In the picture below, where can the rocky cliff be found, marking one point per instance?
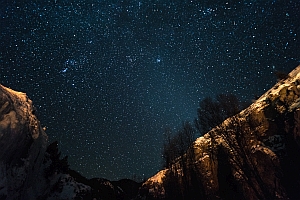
(32, 169)
(23, 144)
(252, 155)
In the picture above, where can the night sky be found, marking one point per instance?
(107, 77)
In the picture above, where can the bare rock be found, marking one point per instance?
(23, 143)
(253, 155)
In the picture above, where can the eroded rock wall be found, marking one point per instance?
(23, 144)
(29, 168)
(257, 149)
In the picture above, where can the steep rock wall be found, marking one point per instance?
(29, 168)
(253, 155)
(23, 144)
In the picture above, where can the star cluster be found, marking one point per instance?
(108, 76)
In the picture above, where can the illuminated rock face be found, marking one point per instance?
(30, 169)
(256, 151)
(23, 144)
(23, 156)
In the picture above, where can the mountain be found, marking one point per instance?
(32, 169)
(23, 144)
(252, 155)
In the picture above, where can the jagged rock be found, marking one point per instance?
(30, 170)
(65, 187)
(23, 144)
(252, 155)
(23, 157)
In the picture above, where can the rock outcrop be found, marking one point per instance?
(32, 169)
(23, 143)
(252, 155)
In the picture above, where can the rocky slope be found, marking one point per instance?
(253, 155)
(30, 169)
(23, 144)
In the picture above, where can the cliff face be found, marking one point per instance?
(23, 144)
(253, 155)
(23, 157)
(30, 169)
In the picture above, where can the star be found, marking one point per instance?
(108, 77)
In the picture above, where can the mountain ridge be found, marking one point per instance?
(32, 169)
(252, 155)
(253, 149)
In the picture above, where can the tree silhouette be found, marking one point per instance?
(182, 180)
(57, 165)
(212, 112)
(175, 145)
(239, 151)
(281, 75)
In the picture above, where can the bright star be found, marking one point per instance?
(64, 70)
